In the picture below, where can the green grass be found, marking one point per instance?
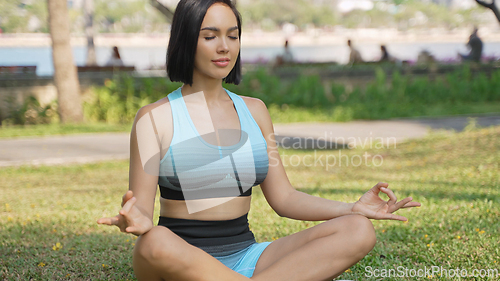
(290, 114)
(455, 176)
(13, 131)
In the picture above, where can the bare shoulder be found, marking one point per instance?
(158, 113)
(162, 105)
(259, 111)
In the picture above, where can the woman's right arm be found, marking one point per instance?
(136, 215)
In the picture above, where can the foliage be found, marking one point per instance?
(110, 16)
(11, 17)
(23, 16)
(135, 16)
(413, 14)
(403, 14)
(307, 98)
(279, 12)
(303, 99)
(139, 16)
(30, 112)
(52, 233)
(120, 99)
(363, 19)
(39, 12)
(405, 97)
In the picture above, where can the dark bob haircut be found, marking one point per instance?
(184, 34)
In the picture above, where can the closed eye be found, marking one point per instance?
(209, 38)
(233, 37)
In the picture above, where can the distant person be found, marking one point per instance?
(475, 45)
(355, 55)
(385, 54)
(287, 55)
(115, 59)
(425, 58)
(386, 57)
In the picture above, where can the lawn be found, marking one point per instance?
(40, 130)
(48, 214)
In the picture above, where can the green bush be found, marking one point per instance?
(306, 98)
(120, 99)
(30, 112)
(406, 97)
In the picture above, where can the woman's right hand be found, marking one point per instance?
(130, 219)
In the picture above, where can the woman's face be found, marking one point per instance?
(218, 43)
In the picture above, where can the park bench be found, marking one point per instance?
(18, 70)
(106, 69)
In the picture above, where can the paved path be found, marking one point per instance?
(96, 147)
(356, 133)
(54, 150)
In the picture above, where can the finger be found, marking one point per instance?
(412, 204)
(380, 185)
(131, 229)
(401, 204)
(395, 217)
(129, 194)
(126, 208)
(392, 197)
(108, 221)
(376, 188)
(104, 221)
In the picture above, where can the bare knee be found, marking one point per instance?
(159, 248)
(361, 234)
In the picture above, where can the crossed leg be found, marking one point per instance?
(321, 252)
(160, 254)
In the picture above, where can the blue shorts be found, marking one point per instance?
(244, 261)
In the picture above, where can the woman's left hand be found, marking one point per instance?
(372, 206)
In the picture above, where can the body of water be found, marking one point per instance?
(147, 57)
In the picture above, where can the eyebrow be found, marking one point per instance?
(217, 29)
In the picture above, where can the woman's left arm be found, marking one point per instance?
(288, 202)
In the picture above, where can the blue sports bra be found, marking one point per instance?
(195, 169)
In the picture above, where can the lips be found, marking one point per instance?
(222, 62)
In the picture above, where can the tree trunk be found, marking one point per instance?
(65, 74)
(490, 6)
(163, 9)
(89, 31)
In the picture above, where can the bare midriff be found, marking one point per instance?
(229, 210)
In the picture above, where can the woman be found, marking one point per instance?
(115, 59)
(206, 147)
(385, 54)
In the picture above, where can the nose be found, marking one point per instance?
(223, 47)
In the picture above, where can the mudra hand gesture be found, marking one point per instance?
(129, 219)
(372, 206)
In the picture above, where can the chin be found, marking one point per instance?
(221, 75)
(218, 74)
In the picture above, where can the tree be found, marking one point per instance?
(490, 6)
(167, 12)
(163, 9)
(65, 74)
(89, 31)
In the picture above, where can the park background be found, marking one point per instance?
(48, 213)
